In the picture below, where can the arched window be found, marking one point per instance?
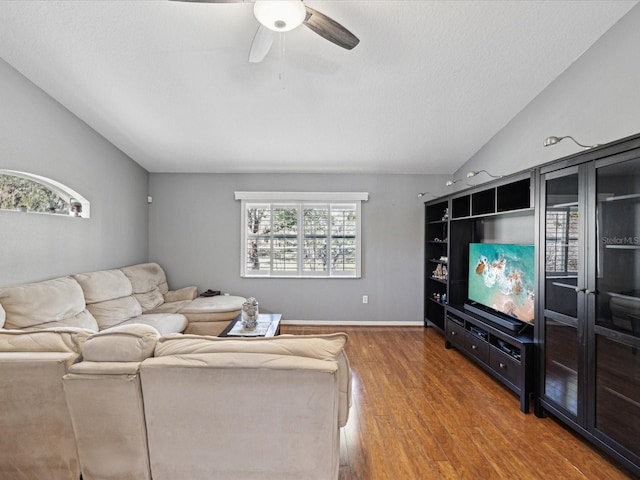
(27, 192)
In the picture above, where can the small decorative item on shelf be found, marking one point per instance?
(444, 259)
(445, 216)
(250, 314)
(440, 272)
(76, 207)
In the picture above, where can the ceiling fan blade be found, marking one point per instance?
(215, 1)
(330, 29)
(261, 44)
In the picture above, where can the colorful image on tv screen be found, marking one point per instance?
(502, 277)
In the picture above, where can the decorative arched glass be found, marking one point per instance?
(27, 192)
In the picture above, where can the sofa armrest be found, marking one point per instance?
(124, 343)
(186, 293)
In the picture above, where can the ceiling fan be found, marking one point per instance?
(285, 15)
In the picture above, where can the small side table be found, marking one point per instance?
(273, 319)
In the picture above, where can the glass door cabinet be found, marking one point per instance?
(589, 300)
(616, 336)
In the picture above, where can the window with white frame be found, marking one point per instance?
(301, 234)
(28, 192)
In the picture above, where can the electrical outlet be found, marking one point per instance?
(365, 298)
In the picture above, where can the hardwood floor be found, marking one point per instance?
(423, 412)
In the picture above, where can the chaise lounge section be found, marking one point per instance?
(205, 315)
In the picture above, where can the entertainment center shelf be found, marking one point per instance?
(436, 264)
(506, 355)
(497, 213)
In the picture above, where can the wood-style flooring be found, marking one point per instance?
(421, 412)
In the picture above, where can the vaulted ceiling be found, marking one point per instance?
(169, 83)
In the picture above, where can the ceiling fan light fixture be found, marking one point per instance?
(280, 15)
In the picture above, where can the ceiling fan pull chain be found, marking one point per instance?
(282, 56)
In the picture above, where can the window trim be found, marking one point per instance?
(300, 199)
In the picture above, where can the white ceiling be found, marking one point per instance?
(170, 85)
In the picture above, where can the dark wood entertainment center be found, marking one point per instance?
(579, 361)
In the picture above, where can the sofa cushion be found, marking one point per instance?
(169, 307)
(109, 297)
(322, 347)
(181, 295)
(68, 340)
(217, 304)
(164, 323)
(114, 312)
(149, 300)
(149, 284)
(125, 343)
(103, 285)
(44, 304)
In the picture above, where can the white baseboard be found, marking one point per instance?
(353, 323)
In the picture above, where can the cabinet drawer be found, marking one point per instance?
(455, 333)
(507, 366)
(476, 346)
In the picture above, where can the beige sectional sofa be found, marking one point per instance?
(96, 379)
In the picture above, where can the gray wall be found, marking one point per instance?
(195, 235)
(596, 100)
(38, 135)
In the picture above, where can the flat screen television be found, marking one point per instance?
(501, 281)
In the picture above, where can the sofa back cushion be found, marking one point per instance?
(52, 303)
(149, 284)
(321, 347)
(109, 297)
(68, 340)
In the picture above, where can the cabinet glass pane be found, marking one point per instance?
(561, 365)
(618, 392)
(618, 237)
(561, 245)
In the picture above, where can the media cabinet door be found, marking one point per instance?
(589, 336)
(617, 303)
(563, 316)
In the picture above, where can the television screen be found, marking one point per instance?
(502, 277)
